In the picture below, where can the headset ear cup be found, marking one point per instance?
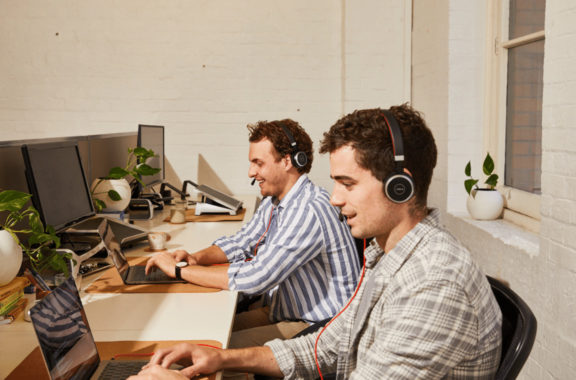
(299, 159)
(399, 187)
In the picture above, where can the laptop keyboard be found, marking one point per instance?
(121, 369)
(137, 273)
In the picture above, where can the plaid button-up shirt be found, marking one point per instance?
(431, 314)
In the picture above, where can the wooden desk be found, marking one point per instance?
(146, 317)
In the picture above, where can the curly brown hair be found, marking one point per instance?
(367, 133)
(273, 131)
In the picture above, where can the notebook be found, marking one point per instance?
(60, 192)
(67, 343)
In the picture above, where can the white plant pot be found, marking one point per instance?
(100, 191)
(10, 257)
(485, 204)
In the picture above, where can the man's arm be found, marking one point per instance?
(210, 276)
(208, 256)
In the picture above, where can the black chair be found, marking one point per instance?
(518, 330)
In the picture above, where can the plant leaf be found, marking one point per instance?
(12, 200)
(141, 152)
(492, 181)
(488, 165)
(99, 204)
(113, 194)
(117, 173)
(468, 169)
(145, 169)
(469, 183)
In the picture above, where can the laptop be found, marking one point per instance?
(66, 341)
(61, 194)
(130, 274)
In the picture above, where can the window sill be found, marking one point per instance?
(506, 232)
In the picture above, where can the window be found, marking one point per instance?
(515, 105)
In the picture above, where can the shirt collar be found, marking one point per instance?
(404, 248)
(292, 193)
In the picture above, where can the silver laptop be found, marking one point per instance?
(66, 341)
(130, 274)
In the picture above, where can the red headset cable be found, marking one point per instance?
(337, 315)
(265, 232)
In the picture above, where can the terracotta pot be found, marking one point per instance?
(485, 204)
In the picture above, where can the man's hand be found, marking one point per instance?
(199, 360)
(163, 260)
(157, 372)
(182, 255)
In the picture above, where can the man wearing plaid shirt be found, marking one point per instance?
(423, 309)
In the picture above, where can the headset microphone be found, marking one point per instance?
(340, 216)
(253, 182)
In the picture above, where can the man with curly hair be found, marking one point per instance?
(423, 309)
(295, 251)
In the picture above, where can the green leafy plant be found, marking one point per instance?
(40, 242)
(135, 166)
(488, 169)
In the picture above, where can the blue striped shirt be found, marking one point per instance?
(306, 265)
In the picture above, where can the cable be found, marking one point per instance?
(337, 315)
(265, 232)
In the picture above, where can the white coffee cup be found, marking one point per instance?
(157, 240)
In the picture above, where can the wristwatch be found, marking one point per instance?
(179, 266)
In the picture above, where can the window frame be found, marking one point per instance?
(520, 207)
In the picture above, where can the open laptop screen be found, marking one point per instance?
(64, 335)
(57, 182)
(152, 137)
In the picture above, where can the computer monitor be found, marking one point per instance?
(152, 137)
(57, 182)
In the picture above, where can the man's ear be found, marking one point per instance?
(287, 161)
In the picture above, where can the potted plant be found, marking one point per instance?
(483, 203)
(112, 193)
(39, 243)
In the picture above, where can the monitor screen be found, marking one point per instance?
(57, 183)
(152, 137)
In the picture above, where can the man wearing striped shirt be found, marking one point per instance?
(295, 251)
(424, 309)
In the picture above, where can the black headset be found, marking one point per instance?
(298, 157)
(398, 186)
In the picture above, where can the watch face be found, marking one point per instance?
(182, 264)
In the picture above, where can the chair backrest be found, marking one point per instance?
(518, 330)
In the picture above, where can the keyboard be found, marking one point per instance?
(121, 369)
(137, 273)
(116, 369)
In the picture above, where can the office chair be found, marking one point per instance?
(518, 330)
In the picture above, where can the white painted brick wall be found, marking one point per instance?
(546, 278)
(202, 69)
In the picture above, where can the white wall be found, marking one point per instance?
(541, 268)
(204, 69)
